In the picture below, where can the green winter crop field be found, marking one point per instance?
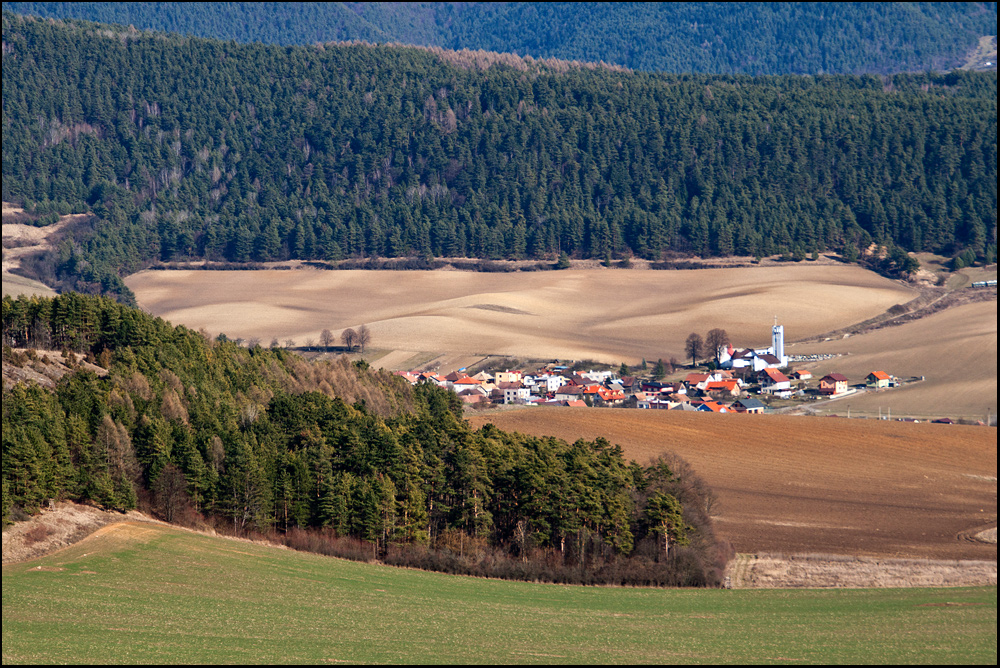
(136, 593)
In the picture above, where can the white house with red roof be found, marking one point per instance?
(773, 381)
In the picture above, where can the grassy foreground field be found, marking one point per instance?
(136, 593)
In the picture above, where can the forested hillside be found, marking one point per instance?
(190, 148)
(258, 439)
(688, 37)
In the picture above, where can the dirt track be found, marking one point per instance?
(813, 485)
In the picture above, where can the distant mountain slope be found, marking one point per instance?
(723, 38)
(190, 148)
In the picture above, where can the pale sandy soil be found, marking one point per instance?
(610, 315)
(51, 529)
(14, 285)
(955, 350)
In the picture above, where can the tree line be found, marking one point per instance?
(257, 440)
(186, 148)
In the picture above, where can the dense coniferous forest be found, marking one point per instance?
(258, 439)
(703, 37)
(186, 148)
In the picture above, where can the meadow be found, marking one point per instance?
(139, 593)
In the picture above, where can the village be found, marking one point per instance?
(735, 381)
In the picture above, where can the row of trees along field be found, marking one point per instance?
(190, 148)
(707, 37)
(259, 439)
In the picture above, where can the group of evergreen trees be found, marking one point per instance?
(189, 148)
(705, 37)
(260, 439)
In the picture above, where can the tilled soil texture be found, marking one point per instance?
(789, 484)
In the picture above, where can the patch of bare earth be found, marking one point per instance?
(45, 368)
(54, 528)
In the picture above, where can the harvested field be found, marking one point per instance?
(21, 241)
(602, 314)
(809, 570)
(14, 285)
(794, 484)
(955, 350)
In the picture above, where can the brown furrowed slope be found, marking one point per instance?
(806, 484)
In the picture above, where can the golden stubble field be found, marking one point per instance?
(796, 484)
(609, 315)
(954, 350)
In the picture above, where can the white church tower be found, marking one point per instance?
(778, 342)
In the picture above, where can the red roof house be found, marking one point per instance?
(833, 384)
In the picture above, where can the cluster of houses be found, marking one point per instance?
(719, 391)
(728, 389)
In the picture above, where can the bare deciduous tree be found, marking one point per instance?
(364, 336)
(693, 347)
(349, 337)
(170, 492)
(715, 340)
(326, 338)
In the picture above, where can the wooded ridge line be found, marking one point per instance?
(190, 148)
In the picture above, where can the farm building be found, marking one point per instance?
(833, 384)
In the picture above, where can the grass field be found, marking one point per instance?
(138, 593)
(794, 484)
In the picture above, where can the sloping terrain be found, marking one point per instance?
(603, 314)
(792, 484)
(144, 593)
(954, 350)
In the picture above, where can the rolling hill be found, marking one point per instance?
(139, 592)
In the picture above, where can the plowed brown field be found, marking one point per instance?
(806, 484)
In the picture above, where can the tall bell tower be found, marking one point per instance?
(778, 342)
